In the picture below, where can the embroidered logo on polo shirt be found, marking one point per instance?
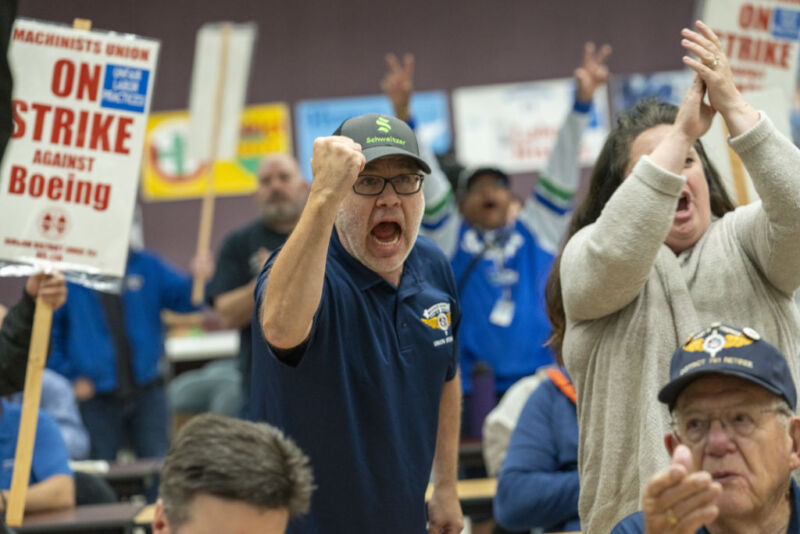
(438, 318)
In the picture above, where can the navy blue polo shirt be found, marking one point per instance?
(361, 396)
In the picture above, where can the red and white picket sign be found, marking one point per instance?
(69, 176)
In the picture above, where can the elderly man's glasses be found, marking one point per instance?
(403, 184)
(694, 426)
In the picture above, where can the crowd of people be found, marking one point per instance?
(650, 314)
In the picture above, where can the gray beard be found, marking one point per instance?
(281, 213)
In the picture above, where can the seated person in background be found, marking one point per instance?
(228, 476)
(51, 485)
(16, 326)
(216, 387)
(500, 254)
(538, 483)
(58, 401)
(734, 441)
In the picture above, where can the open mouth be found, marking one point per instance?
(386, 233)
(723, 476)
(683, 205)
(489, 205)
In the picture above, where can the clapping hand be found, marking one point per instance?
(711, 65)
(679, 500)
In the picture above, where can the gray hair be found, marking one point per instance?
(253, 463)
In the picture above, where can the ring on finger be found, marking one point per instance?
(672, 519)
(713, 64)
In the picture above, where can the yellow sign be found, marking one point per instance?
(169, 174)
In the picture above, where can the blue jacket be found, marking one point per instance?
(538, 483)
(81, 344)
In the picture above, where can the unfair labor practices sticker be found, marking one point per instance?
(125, 88)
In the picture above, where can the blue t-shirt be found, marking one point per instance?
(49, 451)
(361, 396)
(634, 523)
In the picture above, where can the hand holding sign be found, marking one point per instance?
(50, 287)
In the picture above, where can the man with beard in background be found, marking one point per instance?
(280, 196)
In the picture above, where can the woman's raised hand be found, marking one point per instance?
(711, 65)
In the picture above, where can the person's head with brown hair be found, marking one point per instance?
(227, 476)
(615, 162)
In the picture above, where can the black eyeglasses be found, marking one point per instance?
(403, 184)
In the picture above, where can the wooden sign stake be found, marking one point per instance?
(37, 356)
(207, 211)
(739, 178)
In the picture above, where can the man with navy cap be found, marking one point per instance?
(734, 441)
(357, 362)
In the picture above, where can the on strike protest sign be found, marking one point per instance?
(69, 176)
(760, 38)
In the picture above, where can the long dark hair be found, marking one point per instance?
(607, 175)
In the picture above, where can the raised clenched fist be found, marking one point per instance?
(335, 163)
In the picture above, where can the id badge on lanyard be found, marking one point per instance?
(503, 311)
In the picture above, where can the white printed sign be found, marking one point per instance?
(206, 73)
(69, 177)
(515, 126)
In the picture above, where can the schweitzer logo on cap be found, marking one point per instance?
(383, 124)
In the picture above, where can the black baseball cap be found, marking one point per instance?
(470, 173)
(725, 350)
(382, 135)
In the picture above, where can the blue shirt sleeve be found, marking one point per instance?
(49, 452)
(175, 287)
(290, 357)
(582, 107)
(633, 524)
(533, 488)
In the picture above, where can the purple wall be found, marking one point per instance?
(317, 49)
